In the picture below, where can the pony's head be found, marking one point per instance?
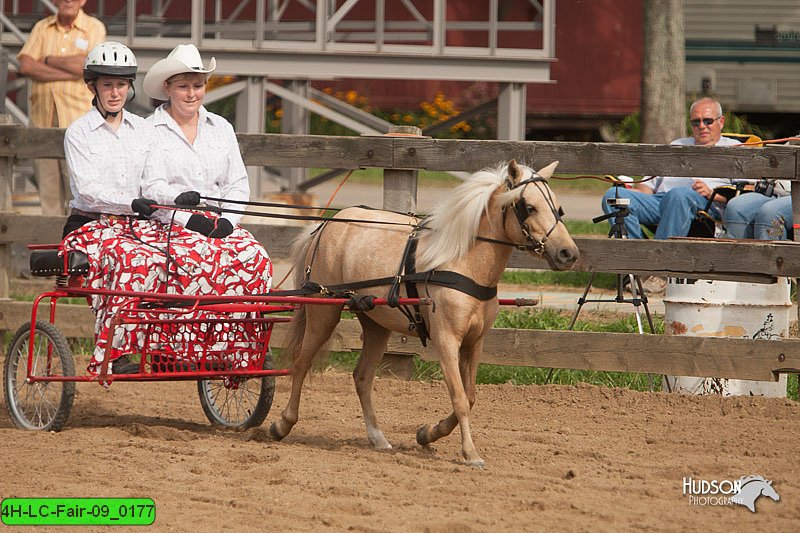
(532, 216)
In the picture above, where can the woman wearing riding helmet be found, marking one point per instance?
(107, 148)
(107, 152)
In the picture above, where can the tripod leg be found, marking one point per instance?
(620, 288)
(581, 301)
(646, 307)
(638, 297)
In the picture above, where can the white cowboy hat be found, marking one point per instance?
(183, 58)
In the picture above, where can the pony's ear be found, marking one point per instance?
(547, 171)
(514, 172)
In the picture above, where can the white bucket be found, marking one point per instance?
(705, 308)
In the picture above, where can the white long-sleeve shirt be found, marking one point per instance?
(665, 183)
(106, 167)
(212, 166)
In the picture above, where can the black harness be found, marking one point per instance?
(522, 211)
(407, 274)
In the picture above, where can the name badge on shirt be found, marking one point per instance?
(82, 43)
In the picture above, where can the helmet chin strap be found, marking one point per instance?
(102, 110)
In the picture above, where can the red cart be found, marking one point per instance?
(222, 342)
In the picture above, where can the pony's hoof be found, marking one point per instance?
(377, 440)
(274, 433)
(477, 463)
(422, 436)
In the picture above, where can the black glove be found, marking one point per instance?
(200, 224)
(223, 229)
(189, 198)
(144, 206)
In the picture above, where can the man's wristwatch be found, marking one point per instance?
(45, 59)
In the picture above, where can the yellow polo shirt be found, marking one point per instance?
(69, 99)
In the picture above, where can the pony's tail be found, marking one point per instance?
(300, 259)
(293, 342)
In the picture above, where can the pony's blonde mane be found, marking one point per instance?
(453, 223)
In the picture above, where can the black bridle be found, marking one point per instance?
(522, 211)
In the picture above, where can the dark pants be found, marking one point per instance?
(74, 222)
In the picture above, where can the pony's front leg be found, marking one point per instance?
(448, 360)
(375, 340)
(468, 365)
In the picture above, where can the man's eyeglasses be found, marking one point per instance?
(695, 122)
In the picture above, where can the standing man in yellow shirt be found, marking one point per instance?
(53, 58)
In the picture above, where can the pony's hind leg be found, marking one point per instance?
(312, 327)
(375, 340)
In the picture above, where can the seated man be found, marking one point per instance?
(672, 202)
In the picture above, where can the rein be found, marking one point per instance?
(215, 209)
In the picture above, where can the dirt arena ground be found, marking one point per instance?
(558, 458)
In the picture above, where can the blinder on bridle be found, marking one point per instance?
(522, 211)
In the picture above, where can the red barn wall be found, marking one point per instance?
(597, 74)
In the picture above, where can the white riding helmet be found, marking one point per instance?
(110, 59)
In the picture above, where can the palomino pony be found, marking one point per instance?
(472, 233)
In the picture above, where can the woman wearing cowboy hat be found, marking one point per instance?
(198, 156)
(202, 155)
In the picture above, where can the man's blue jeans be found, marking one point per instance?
(755, 216)
(672, 211)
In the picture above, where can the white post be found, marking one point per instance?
(295, 121)
(250, 119)
(511, 112)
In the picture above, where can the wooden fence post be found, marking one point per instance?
(6, 205)
(400, 185)
(400, 194)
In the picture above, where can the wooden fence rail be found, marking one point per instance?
(402, 157)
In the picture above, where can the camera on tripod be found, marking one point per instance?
(618, 201)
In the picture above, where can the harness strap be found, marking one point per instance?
(394, 291)
(454, 280)
(416, 320)
(443, 278)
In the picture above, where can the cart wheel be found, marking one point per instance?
(238, 402)
(42, 405)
